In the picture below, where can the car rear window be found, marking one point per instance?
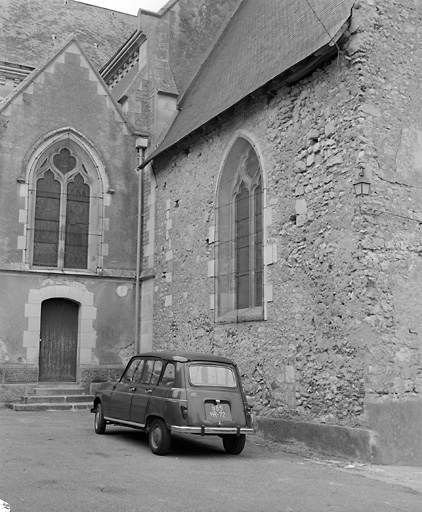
(212, 375)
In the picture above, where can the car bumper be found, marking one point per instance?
(203, 431)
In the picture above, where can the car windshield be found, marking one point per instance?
(212, 375)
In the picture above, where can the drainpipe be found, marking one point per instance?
(141, 145)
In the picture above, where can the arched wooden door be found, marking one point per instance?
(58, 340)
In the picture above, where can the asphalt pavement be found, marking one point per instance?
(54, 462)
(406, 476)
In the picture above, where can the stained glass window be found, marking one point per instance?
(258, 259)
(47, 221)
(62, 209)
(77, 224)
(239, 243)
(242, 248)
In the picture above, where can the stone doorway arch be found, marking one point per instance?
(70, 290)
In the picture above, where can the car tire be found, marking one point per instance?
(99, 421)
(159, 437)
(234, 444)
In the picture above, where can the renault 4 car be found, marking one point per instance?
(162, 393)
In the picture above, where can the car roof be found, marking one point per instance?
(184, 357)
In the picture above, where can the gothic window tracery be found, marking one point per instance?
(239, 262)
(65, 204)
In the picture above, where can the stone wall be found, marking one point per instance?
(21, 380)
(343, 319)
(390, 73)
(305, 360)
(92, 376)
(17, 380)
(66, 93)
(389, 64)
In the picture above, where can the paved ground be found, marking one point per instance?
(53, 461)
(406, 476)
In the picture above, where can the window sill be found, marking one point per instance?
(61, 271)
(99, 272)
(242, 315)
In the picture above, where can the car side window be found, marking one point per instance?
(131, 371)
(158, 365)
(151, 371)
(146, 375)
(138, 372)
(169, 375)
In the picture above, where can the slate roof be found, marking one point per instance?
(30, 29)
(263, 39)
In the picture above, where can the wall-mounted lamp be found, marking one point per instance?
(362, 184)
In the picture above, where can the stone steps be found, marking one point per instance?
(52, 397)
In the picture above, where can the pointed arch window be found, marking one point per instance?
(47, 221)
(77, 223)
(66, 210)
(239, 258)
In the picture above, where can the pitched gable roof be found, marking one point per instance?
(262, 40)
(71, 45)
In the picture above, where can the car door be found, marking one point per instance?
(122, 394)
(144, 388)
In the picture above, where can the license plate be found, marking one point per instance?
(217, 412)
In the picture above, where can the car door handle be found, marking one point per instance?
(149, 391)
(132, 390)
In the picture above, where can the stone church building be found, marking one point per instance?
(239, 177)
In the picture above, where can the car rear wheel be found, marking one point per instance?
(159, 437)
(99, 422)
(234, 444)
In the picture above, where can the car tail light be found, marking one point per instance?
(184, 411)
(248, 412)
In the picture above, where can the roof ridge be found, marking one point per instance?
(167, 6)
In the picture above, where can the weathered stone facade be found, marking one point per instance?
(65, 104)
(335, 358)
(340, 341)
(302, 350)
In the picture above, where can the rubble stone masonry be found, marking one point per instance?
(342, 335)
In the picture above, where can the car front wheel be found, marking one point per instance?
(234, 444)
(99, 422)
(159, 437)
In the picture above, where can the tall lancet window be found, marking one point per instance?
(239, 244)
(67, 200)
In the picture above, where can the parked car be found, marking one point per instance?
(165, 392)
